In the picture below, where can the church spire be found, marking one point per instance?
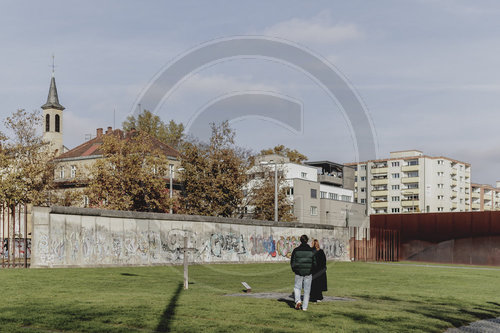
(53, 99)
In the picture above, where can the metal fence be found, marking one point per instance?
(374, 244)
(15, 235)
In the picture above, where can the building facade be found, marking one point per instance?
(316, 190)
(409, 181)
(485, 197)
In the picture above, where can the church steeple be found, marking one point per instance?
(53, 99)
(53, 118)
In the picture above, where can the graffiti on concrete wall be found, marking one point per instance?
(19, 248)
(97, 245)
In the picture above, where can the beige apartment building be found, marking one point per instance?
(409, 181)
(485, 197)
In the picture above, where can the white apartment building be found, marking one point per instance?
(485, 197)
(317, 196)
(409, 181)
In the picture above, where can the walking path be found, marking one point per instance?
(481, 326)
(436, 266)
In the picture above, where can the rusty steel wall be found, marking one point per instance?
(456, 238)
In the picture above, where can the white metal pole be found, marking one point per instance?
(171, 188)
(275, 192)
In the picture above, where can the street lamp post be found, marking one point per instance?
(275, 192)
(171, 187)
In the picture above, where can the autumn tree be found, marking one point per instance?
(260, 198)
(25, 160)
(214, 174)
(171, 133)
(131, 175)
(281, 150)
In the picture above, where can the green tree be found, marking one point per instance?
(292, 154)
(261, 194)
(130, 176)
(171, 134)
(25, 161)
(214, 174)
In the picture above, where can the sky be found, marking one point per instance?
(427, 72)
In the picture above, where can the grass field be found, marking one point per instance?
(389, 298)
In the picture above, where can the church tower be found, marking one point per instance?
(53, 120)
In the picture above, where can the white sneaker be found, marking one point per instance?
(304, 309)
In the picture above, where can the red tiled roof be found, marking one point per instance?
(92, 147)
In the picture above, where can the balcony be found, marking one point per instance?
(454, 194)
(453, 182)
(409, 191)
(453, 205)
(379, 204)
(376, 171)
(406, 180)
(379, 193)
(476, 206)
(409, 203)
(380, 181)
(407, 168)
(476, 195)
(328, 179)
(453, 172)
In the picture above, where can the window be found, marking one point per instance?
(47, 123)
(440, 173)
(355, 178)
(86, 201)
(440, 197)
(363, 201)
(303, 175)
(314, 210)
(363, 178)
(363, 167)
(395, 198)
(73, 171)
(363, 189)
(440, 185)
(395, 164)
(346, 198)
(58, 123)
(322, 194)
(413, 174)
(330, 196)
(412, 186)
(289, 191)
(395, 187)
(395, 175)
(395, 210)
(314, 193)
(61, 172)
(440, 209)
(413, 162)
(440, 162)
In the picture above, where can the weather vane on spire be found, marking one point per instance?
(53, 64)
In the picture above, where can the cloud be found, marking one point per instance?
(318, 30)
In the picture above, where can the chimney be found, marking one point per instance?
(99, 132)
(109, 130)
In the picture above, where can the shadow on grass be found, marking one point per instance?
(168, 314)
(128, 274)
(290, 303)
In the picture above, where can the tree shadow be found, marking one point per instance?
(128, 274)
(168, 314)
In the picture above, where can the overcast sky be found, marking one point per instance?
(427, 71)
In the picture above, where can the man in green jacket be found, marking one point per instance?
(302, 262)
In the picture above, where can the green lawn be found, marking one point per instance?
(389, 298)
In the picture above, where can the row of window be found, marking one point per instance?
(72, 174)
(57, 123)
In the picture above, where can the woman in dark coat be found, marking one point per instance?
(319, 283)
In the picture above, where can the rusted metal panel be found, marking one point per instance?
(460, 238)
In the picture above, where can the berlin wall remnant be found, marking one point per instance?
(82, 237)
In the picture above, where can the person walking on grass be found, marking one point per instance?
(319, 282)
(303, 263)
